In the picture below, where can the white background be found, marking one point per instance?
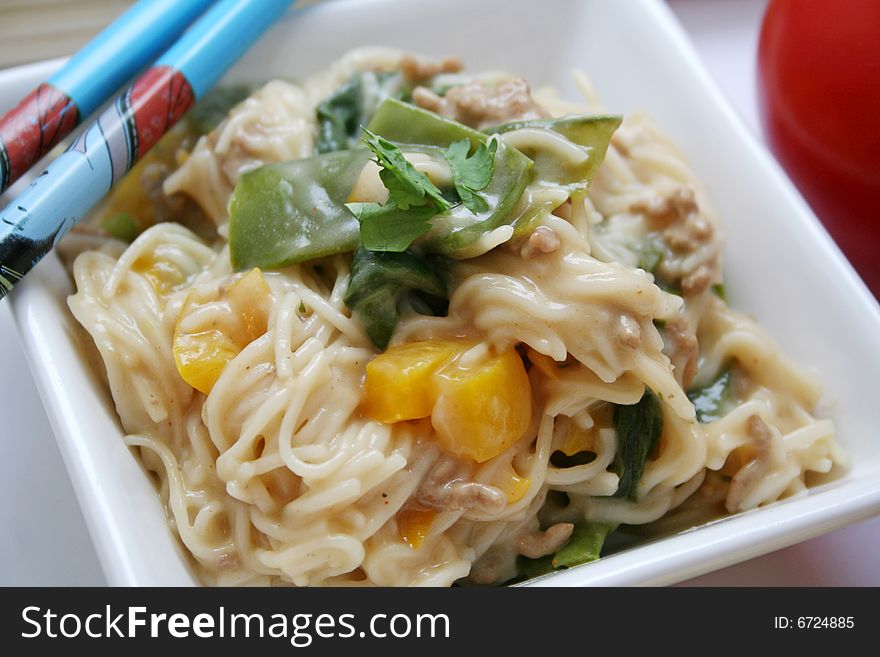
(44, 539)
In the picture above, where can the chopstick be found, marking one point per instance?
(71, 185)
(55, 107)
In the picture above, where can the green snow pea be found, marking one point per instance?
(591, 132)
(281, 214)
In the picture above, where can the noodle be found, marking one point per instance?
(278, 475)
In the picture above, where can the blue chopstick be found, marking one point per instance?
(55, 107)
(63, 194)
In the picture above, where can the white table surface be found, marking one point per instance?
(45, 541)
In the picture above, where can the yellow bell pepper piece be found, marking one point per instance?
(250, 300)
(201, 353)
(478, 407)
(398, 383)
(413, 524)
(482, 408)
(163, 275)
(201, 357)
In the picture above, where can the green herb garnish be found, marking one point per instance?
(472, 174)
(638, 430)
(412, 200)
(388, 228)
(406, 185)
(712, 401)
(456, 233)
(381, 281)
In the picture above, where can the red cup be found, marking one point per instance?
(819, 95)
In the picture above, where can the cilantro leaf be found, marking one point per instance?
(471, 174)
(406, 185)
(388, 228)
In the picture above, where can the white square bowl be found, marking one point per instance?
(780, 267)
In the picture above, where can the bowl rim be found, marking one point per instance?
(690, 553)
